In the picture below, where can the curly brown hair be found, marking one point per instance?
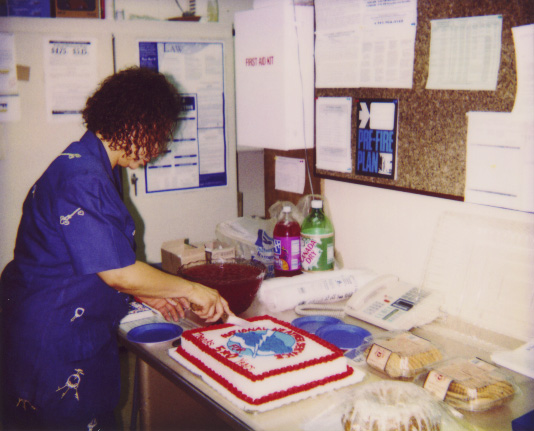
(134, 109)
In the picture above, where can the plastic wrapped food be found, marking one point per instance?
(400, 355)
(469, 384)
(391, 406)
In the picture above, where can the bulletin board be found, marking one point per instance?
(432, 124)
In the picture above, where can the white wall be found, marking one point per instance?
(251, 181)
(391, 231)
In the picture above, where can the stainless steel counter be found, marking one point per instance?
(193, 397)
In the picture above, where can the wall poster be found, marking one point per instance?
(376, 151)
(197, 157)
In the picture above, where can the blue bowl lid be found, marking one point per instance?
(343, 336)
(312, 323)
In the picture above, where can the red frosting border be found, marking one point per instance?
(267, 398)
(336, 352)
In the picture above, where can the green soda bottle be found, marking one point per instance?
(317, 240)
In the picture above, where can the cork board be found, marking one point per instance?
(431, 152)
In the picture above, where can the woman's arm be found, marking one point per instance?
(171, 309)
(141, 279)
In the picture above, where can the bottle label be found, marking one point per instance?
(317, 252)
(287, 253)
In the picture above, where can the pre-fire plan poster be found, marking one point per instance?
(376, 146)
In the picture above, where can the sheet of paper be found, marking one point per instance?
(8, 71)
(9, 99)
(70, 76)
(364, 43)
(520, 360)
(524, 60)
(197, 156)
(9, 108)
(333, 132)
(465, 53)
(500, 160)
(334, 16)
(289, 174)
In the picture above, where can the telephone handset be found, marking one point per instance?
(370, 290)
(392, 304)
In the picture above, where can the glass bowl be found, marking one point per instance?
(237, 280)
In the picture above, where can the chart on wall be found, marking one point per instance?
(197, 157)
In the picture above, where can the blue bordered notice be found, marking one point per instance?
(197, 157)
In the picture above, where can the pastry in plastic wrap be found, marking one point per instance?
(469, 384)
(392, 406)
(401, 355)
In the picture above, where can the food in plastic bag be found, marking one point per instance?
(469, 384)
(264, 252)
(281, 293)
(390, 405)
(400, 354)
(252, 238)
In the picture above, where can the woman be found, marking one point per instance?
(74, 265)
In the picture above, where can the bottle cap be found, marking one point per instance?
(286, 209)
(316, 204)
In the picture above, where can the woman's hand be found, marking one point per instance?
(152, 285)
(169, 308)
(207, 303)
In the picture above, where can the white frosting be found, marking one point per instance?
(271, 384)
(261, 372)
(356, 377)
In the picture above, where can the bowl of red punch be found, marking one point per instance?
(237, 280)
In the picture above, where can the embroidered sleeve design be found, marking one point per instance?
(25, 404)
(72, 155)
(92, 424)
(72, 383)
(65, 220)
(78, 313)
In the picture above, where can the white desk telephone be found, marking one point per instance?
(392, 304)
(385, 302)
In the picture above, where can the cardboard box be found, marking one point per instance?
(77, 8)
(218, 250)
(179, 252)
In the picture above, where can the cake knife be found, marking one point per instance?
(234, 320)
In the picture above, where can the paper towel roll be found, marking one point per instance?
(284, 293)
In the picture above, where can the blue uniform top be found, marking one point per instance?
(60, 317)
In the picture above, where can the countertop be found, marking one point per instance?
(324, 411)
